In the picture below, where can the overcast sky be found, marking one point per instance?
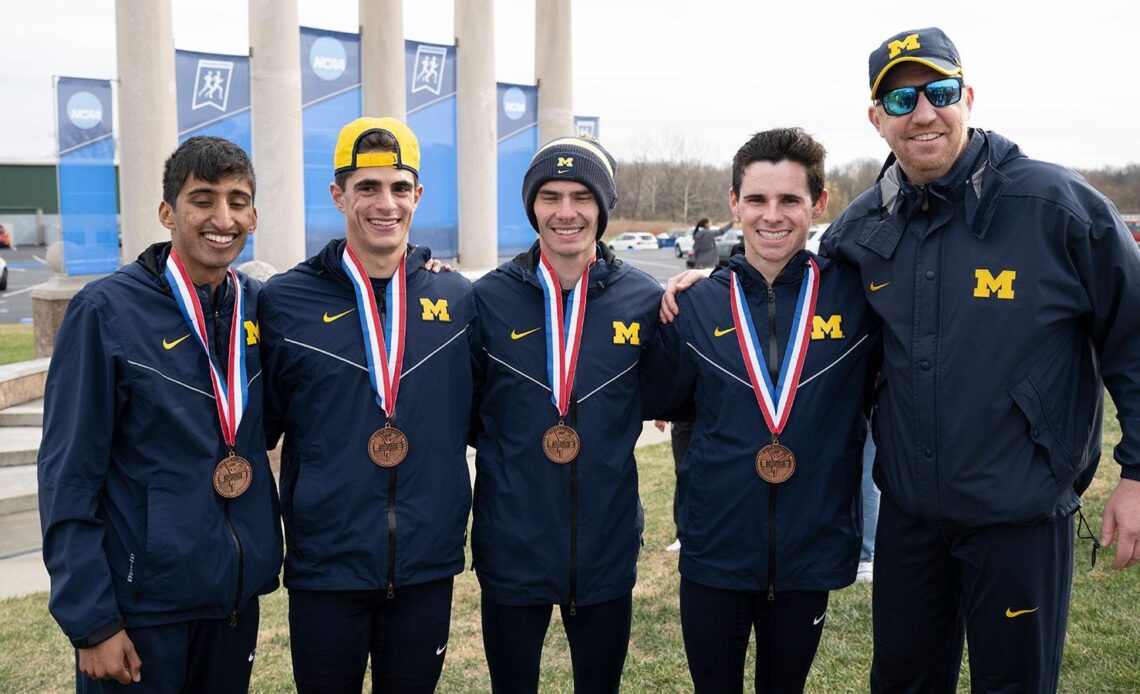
(1061, 82)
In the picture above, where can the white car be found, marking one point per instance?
(813, 237)
(3, 274)
(684, 243)
(634, 241)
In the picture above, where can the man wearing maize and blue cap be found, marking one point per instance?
(359, 342)
(1006, 287)
(557, 519)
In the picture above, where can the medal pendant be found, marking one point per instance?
(388, 446)
(232, 477)
(775, 463)
(561, 444)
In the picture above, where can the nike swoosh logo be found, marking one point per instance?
(1011, 613)
(877, 287)
(441, 649)
(519, 336)
(562, 171)
(171, 345)
(330, 319)
(817, 620)
(717, 332)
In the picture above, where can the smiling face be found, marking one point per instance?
(209, 224)
(378, 203)
(567, 216)
(928, 140)
(775, 211)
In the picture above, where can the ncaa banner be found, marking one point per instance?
(587, 125)
(518, 141)
(430, 71)
(213, 99)
(330, 98)
(88, 191)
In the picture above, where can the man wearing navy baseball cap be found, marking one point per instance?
(1006, 287)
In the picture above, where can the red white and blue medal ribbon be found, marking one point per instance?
(383, 342)
(230, 390)
(563, 331)
(776, 400)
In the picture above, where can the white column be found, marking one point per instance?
(476, 133)
(382, 58)
(148, 117)
(275, 95)
(553, 69)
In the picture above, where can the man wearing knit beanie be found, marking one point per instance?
(557, 519)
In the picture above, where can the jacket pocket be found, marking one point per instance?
(1043, 432)
(189, 562)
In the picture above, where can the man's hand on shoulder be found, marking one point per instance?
(678, 283)
(113, 659)
(1122, 522)
(433, 265)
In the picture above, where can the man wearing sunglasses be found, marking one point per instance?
(1007, 288)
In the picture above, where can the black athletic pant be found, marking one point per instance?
(201, 655)
(1006, 588)
(598, 636)
(718, 623)
(332, 634)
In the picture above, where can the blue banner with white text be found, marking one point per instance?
(430, 70)
(213, 99)
(587, 125)
(88, 189)
(330, 98)
(518, 141)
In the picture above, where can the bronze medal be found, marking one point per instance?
(775, 463)
(388, 446)
(561, 444)
(232, 476)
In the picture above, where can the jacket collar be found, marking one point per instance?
(328, 261)
(607, 268)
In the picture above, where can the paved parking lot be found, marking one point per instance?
(25, 270)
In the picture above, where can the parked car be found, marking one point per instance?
(683, 246)
(815, 233)
(725, 244)
(3, 274)
(1133, 223)
(5, 237)
(634, 240)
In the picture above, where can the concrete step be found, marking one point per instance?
(18, 489)
(18, 445)
(22, 382)
(30, 414)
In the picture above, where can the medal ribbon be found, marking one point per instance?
(776, 401)
(563, 331)
(230, 391)
(385, 356)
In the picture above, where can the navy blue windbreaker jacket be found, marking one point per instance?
(350, 524)
(1009, 292)
(737, 531)
(134, 533)
(545, 533)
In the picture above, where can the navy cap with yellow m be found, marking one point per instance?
(348, 155)
(575, 158)
(930, 47)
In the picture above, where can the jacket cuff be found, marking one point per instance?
(100, 635)
(1130, 472)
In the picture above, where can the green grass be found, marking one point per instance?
(16, 343)
(1101, 653)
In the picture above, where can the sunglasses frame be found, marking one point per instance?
(925, 89)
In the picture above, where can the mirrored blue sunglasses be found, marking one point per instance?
(944, 92)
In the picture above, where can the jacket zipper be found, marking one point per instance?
(391, 533)
(229, 523)
(574, 514)
(774, 374)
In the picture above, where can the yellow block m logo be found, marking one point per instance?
(910, 43)
(827, 327)
(435, 310)
(624, 335)
(252, 333)
(566, 162)
(988, 285)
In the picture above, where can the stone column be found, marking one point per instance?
(553, 69)
(476, 133)
(275, 93)
(148, 117)
(384, 90)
